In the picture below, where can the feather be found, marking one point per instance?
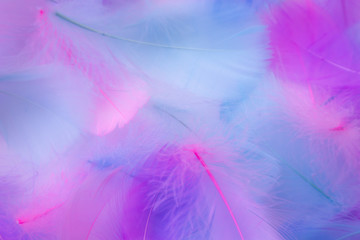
(173, 195)
(55, 88)
(204, 40)
(308, 194)
(315, 58)
(179, 119)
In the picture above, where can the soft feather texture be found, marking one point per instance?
(73, 88)
(316, 60)
(179, 119)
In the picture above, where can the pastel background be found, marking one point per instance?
(179, 119)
